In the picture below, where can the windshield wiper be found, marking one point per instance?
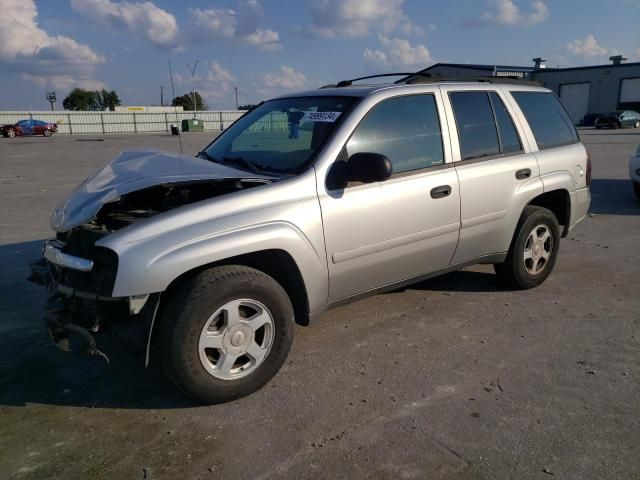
(242, 161)
(206, 156)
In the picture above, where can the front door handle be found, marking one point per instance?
(441, 191)
(524, 173)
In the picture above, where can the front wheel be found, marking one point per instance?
(46, 133)
(225, 333)
(637, 124)
(533, 250)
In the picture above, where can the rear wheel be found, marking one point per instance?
(46, 132)
(11, 133)
(533, 250)
(225, 333)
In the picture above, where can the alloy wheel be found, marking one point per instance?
(236, 339)
(538, 249)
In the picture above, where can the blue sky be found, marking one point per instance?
(267, 47)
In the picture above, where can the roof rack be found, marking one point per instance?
(511, 80)
(425, 77)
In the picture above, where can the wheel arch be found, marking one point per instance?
(559, 203)
(277, 263)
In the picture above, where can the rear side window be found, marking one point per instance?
(547, 118)
(405, 129)
(476, 125)
(509, 139)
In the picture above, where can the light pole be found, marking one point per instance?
(193, 85)
(51, 98)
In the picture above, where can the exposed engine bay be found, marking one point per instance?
(80, 302)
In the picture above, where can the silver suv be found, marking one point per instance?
(309, 201)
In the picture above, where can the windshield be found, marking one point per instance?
(279, 136)
(615, 114)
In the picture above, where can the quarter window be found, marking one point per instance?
(476, 124)
(509, 139)
(405, 129)
(547, 118)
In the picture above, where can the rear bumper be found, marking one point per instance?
(580, 202)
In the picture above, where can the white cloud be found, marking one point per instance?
(508, 13)
(354, 18)
(286, 79)
(33, 54)
(157, 25)
(212, 81)
(242, 24)
(588, 47)
(396, 52)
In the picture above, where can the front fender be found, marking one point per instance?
(150, 265)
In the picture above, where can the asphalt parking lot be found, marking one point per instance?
(452, 378)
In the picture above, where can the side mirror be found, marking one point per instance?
(361, 167)
(368, 168)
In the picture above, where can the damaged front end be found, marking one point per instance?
(79, 278)
(80, 275)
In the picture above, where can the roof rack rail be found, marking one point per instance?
(510, 79)
(425, 77)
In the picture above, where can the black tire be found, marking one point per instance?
(46, 132)
(189, 308)
(636, 188)
(11, 133)
(513, 271)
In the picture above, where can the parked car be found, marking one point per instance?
(619, 119)
(29, 127)
(589, 120)
(634, 171)
(216, 256)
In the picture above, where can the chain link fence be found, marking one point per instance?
(78, 123)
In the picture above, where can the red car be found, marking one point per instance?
(29, 127)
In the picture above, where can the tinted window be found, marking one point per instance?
(405, 129)
(509, 140)
(476, 125)
(547, 118)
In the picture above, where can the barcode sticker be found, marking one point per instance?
(320, 117)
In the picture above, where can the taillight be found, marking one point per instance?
(588, 169)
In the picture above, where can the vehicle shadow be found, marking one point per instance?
(33, 370)
(459, 281)
(613, 197)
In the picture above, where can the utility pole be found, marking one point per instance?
(161, 96)
(236, 88)
(51, 98)
(193, 85)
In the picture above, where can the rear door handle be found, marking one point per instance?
(441, 191)
(524, 173)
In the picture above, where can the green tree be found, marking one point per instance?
(247, 107)
(106, 100)
(186, 101)
(80, 99)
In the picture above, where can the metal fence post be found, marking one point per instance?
(69, 119)
(166, 122)
(135, 125)
(221, 124)
(102, 121)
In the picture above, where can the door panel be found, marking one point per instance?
(492, 200)
(382, 233)
(391, 231)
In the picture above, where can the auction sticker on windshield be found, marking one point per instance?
(320, 117)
